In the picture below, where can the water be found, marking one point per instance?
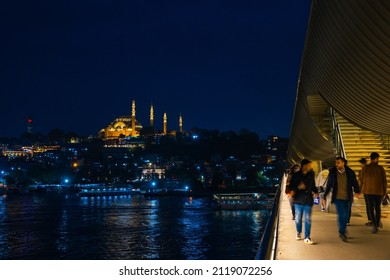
(54, 226)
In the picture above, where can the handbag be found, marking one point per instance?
(321, 189)
(386, 200)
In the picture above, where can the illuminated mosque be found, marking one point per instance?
(128, 126)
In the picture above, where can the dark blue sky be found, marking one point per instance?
(77, 65)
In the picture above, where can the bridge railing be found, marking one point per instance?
(268, 242)
(338, 137)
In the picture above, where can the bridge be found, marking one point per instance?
(342, 109)
(278, 242)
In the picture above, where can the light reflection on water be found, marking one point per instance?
(125, 227)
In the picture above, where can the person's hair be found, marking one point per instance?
(342, 159)
(305, 162)
(363, 161)
(293, 167)
(374, 156)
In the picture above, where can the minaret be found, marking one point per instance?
(151, 116)
(133, 132)
(181, 124)
(165, 123)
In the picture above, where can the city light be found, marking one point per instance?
(153, 184)
(66, 181)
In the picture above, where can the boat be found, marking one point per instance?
(157, 192)
(243, 201)
(103, 190)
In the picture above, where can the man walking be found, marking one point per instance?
(342, 182)
(363, 163)
(374, 186)
(303, 188)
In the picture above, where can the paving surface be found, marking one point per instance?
(328, 246)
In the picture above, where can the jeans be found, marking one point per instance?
(367, 209)
(303, 211)
(343, 208)
(374, 208)
(350, 213)
(291, 200)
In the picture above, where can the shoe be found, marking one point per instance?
(374, 230)
(293, 218)
(343, 237)
(308, 241)
(348, 224)
(298, 237)
(323, 209)
(369, 224)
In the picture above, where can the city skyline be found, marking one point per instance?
(227, 66)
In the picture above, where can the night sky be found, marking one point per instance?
(77, 65)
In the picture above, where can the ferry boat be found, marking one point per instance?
(165, 187)
(35, 189)
(243, 201)
(155, 192)
(103, 190)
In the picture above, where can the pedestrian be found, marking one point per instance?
(294, 169)
(321, 181)
(374, 185)
(303, 188)
(363, 163)
(342, 182)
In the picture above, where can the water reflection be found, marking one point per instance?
(125, 227)
(194, 229)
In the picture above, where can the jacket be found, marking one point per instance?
(373, 178)
(352, 183)
(303, 197)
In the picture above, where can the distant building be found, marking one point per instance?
(122, 127)
(276, 148)
(152, 173)
(129, 127)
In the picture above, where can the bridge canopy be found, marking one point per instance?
(346, 66)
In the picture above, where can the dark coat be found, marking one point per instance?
(303, 197)
(352, 183)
